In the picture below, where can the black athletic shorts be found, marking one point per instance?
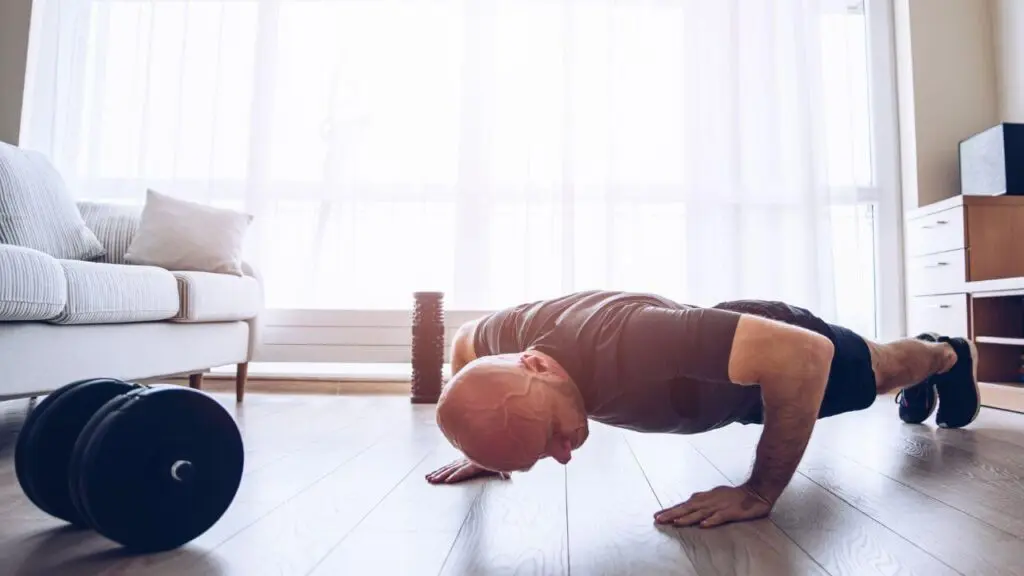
(851, 379)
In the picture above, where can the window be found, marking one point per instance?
(497, 150)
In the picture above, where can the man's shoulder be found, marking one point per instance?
(463, 349)
(463, 336)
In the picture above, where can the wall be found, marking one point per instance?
(946, 79)
(1008, 38)
(15, 16)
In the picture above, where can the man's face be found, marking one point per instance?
(551, 392)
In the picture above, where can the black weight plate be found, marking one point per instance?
(77, 453)
(44, 448)
(21, 467)
(126, 477)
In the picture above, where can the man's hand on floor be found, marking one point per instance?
(715, 507)
(460, 471)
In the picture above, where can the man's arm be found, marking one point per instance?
(791, 365)
(462, 353)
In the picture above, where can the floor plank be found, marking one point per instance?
(517, 526)
(963, 542)
(296, 536)
(839, 537)
(675, 471)
(419, 519)
(611, 514)
(985, 488)
(999, 425)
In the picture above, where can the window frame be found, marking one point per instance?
(887, 195)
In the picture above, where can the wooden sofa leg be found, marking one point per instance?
(195, 381)
(241, 375)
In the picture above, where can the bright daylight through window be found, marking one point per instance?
(497, 150)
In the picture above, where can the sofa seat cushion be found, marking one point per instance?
(100, 293)
(212, 297)
(32, 285)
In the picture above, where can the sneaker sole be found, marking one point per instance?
(935, 404)
(974, 380)
(935, 393)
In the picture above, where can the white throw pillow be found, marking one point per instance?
(177, 234)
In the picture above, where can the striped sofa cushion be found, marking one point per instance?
(101, 293)
(32, 285)
(37, 211)
(115, 226)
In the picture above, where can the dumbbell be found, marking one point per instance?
(150, 467)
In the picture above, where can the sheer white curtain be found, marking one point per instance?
(498, 150)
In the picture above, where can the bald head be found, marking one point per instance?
(506, 412)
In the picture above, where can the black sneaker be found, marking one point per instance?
(917, 402)
(959, 397)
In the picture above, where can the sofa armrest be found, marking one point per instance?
(255, 323)
(115, 226)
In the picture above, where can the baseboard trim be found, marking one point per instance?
(359, 372)
(303, 386)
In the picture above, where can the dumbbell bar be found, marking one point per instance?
(149, 467)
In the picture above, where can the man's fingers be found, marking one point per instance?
(458, 471)
(697, 500)
(446, 475)
(435, 476)
(672, 514)
(463, 473)
(717, 519)
(694, 517)
(721, 506)
(438, 475)
(441, 476)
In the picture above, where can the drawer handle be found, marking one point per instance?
(937, 265)
(937, 223)
(943, 306)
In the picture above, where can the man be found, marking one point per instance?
(527, 379)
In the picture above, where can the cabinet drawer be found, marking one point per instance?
(946, 315)
(942, 273)
(939, 232)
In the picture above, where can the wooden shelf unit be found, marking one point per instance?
(965, 277)
(1000, 340)
(997, 326)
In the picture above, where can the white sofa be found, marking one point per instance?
(66, 320)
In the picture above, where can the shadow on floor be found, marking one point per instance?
(70, 551)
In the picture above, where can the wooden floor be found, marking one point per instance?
(335, 485)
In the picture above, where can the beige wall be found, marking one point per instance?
(1008, 24)
(14, 26)
(946, 77)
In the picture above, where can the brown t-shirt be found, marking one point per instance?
(640, 361)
